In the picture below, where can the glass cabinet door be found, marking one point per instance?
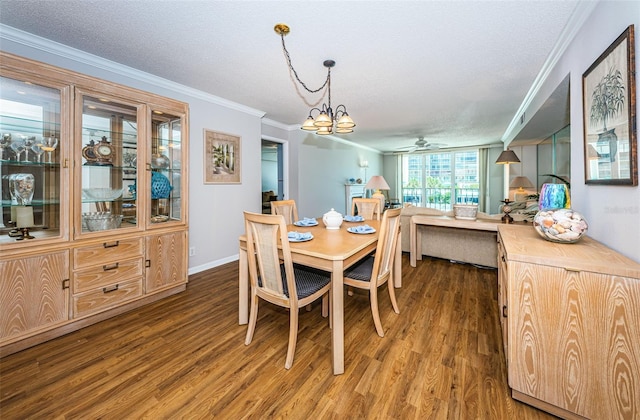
(166, 167)
(108, 178)
(30, 162)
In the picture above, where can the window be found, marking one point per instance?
(440, 179)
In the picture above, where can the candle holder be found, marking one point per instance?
(24, 234)
(506, 209)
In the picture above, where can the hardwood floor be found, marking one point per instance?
(184, 357)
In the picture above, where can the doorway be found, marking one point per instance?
(272, 173)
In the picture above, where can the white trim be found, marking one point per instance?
(51, 47)
(285, 162)
(580, 14)
(213, 264)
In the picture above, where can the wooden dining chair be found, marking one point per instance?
(374, 271)
(274, 278)
(368, 208)
(287, 208)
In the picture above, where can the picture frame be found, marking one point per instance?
(221, 158)
(609, 115)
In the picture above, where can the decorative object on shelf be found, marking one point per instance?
(351, 181)
(24, 221)
(160, 186)
(507, 157)
(520, 182)
(18, 145)
(221, 158)
(5, 142)
(554, 196)
(21, 188)
(609, 108)
(328, 120)
(359, 181)
(38, 151)
(332, 219)
(49, 144)
(506, 209)
(100, 153)
(101, 221)
(560, 225)
(102, 194)
(160, 161)
(465, 211)
(377, 183)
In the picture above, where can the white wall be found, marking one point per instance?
(613, 212)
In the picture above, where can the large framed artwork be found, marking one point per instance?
(221, 158)
(609, 114)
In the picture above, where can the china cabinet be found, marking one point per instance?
(571, 321)
(93, 210)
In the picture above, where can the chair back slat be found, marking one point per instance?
(286, 208)
(387, 241)
(368, 208)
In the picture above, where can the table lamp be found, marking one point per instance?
(520, 182)
(377, 182)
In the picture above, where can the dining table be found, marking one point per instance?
(331, 250)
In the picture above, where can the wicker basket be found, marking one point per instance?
(465, 211)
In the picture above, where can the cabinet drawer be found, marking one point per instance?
(106, 253)
(106, 274)
(106, 297)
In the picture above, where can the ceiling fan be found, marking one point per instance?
(420, 145)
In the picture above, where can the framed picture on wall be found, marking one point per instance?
(221, 158)
(609, 115)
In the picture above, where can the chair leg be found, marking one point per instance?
(373, 297)
(349, 290)
(392, 295)
(253, 316)
(309, 307)
(293, 338)
(325, 305)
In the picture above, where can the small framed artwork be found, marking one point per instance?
(221, 158)
(609, 115)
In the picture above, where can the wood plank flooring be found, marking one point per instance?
(184, 357)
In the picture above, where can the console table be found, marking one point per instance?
(443, 221)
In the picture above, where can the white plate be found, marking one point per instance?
(299, 223)
(353, 230)
(301, 240)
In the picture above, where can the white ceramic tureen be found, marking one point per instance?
(332, 219)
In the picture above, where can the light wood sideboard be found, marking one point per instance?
(570, 315)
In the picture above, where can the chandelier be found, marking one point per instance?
(328, 120)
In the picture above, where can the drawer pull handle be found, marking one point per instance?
(110, 267)
(504, 311)
(503, 259)
(111, 245)
(110, 289)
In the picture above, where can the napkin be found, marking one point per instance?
(299, 236)
(307, 221)
(353, 218)
(363, 229)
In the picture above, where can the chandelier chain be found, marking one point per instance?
(288, 57)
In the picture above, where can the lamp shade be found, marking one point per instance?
(521, 182)
(506, 157)
(377, 182)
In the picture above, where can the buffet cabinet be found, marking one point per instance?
(570, 315)
(93, 200)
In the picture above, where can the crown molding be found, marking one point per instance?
(35, 42)
(580, 14)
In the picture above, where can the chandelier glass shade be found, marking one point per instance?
(327, 120)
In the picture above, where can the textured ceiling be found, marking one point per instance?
(454, 72)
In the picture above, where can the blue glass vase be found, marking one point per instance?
(160, 186)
